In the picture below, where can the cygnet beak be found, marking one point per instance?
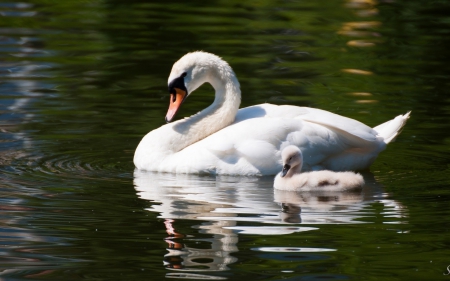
(286, 168)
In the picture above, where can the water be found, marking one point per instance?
(83, 81)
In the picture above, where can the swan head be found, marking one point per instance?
(189, 73)
(291, 157)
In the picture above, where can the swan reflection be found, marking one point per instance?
(224, 207)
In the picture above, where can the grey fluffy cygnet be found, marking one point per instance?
(291, 178)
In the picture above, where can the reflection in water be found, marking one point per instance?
(20, 81)
(22, 246)
(363, 36)
(231, 206)
(363, 8)
(216, 258)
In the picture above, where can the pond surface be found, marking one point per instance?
(83, 81)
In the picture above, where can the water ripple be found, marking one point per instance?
(69, 165)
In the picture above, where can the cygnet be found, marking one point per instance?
(291, 178)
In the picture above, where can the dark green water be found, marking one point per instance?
(81, 82)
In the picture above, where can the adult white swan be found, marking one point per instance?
(222, 139)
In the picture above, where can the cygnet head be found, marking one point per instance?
(189, 73)
(292, 159)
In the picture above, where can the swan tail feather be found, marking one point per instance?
(391, 129)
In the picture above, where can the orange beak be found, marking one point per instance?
(175, 102)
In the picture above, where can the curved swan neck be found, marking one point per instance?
(218, 115)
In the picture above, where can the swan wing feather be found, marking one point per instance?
(344, 125)
(340, 123)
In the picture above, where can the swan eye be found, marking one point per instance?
(184, 74)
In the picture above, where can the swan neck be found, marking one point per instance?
(220, 114)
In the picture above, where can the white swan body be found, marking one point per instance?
(291, 178)
(224, 140)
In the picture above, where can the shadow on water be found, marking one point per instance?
(226, 209)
